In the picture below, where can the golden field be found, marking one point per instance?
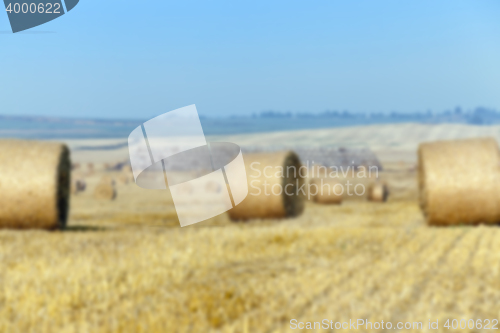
(127, 266)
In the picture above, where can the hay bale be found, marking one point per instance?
(378, 192)
(105, 189)
(264, 199)
(459, 181)
(34, 184)
(326, 190)
(78, 186)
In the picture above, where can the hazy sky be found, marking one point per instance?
(136, 59)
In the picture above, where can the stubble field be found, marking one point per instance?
(126, 266)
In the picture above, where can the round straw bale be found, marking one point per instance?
(105, 189)
(459, 181)
(34, 184)
(268, 176)
(378, 192)
(325, 190)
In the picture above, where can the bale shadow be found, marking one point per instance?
(83, 228)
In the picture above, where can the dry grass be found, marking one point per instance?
(126, 266)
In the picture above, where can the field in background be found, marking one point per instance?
(126, 266)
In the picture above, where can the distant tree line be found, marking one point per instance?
(477, 116)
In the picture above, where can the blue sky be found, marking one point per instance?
(136, 59)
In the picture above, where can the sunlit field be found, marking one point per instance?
(126, 266)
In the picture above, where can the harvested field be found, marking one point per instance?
(126, 266)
